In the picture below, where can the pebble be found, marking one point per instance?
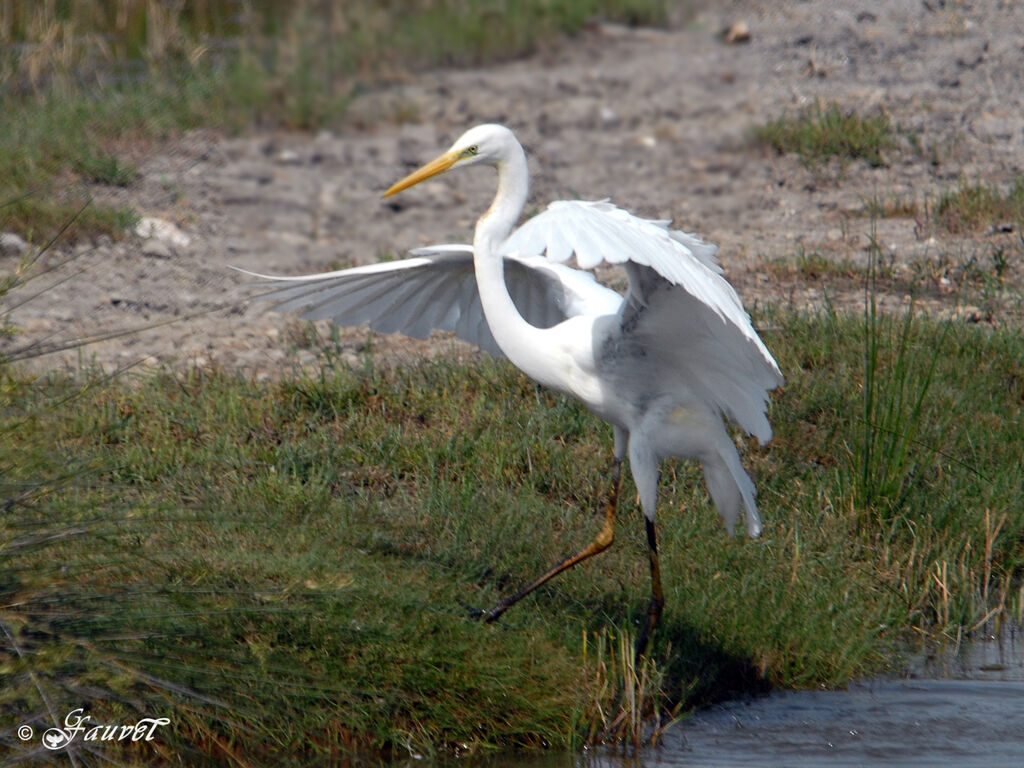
(12, 244)
(150, 227)
(738, 32)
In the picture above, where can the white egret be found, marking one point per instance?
(663, 364)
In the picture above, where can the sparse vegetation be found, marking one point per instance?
(104, 168)
(814, 265)
(822, 134)
(974, 206)
(892, 207)
(972, 274)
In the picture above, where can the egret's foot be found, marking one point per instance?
(479, 614)
(494, 614)
(472, 612)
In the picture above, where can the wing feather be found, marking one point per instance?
(718, 361)
(412, 303)
(436, 289)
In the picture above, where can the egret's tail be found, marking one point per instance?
(731, 488)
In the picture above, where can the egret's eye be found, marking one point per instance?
(474, 150)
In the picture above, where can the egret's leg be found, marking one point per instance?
(657, 595)
(601, 542)
(643, 462)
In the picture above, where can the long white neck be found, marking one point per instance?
(513, 186)
(519, 340)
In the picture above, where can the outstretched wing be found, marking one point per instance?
(678, 302)
(436, 289)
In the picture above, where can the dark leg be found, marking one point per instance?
(657, 596)
(602, 541)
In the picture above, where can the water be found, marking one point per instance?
(890, 723)
(960, 707)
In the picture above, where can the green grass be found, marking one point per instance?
(893, 396)
(283, 568)
(819, 135)
(86, 90)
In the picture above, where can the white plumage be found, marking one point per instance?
(436, 290)
(663, 364)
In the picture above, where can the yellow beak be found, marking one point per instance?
(434, 167)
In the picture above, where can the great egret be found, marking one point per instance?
(662, 364)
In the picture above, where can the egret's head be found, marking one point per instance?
(484, 144)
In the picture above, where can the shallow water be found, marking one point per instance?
(892, 723)
(957, 706)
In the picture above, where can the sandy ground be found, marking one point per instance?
(656, 120)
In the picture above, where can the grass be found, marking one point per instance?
(87, 89)
(813, 265)
(893, 206)
(626, 694)
(282, 567)
(893, 399)
(975, 206)
(819, 135)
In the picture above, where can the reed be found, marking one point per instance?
(626, 700)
